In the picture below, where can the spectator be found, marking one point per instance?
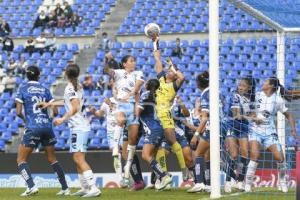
(21, 67)
(110, 62)
(40, 43)
(177, 52)
(67, 10)
(9, 83)
(12, 67)
(41, 21)
(4, 28)
(74, 21)
(62, 21)
(58, 10)
(8, 44)
(29, 46)
(52, 19)
(88, 83)
(50, 43)
(105, 43)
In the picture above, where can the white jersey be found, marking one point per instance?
(110, 115)
(77, 122)
(266, 108)
(125, 82)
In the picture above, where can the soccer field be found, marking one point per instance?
(122, 194)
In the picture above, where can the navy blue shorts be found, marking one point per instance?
(33, 137)
(238, 131)
(153, 131)
(181, 139)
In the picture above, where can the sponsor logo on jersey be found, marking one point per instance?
(33, 89)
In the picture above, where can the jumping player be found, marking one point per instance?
(153, 132)
(127, 84)
(170, 82)
(38, 129)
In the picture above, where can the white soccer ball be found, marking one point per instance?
(151, 30)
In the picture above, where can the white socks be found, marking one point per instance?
(89, 178)
(251, 172)
(117, 135)
(118, 166)
(83, 183)
(131, 152)
(281, 171)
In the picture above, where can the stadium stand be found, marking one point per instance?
(186, 16)
(22, 14)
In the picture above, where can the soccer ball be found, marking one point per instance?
(151, 30)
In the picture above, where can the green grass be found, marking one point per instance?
(123, 194)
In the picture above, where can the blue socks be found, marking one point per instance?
(60, 174)
(135, 170)
(199, 170)
(157, 168)
(26, 174)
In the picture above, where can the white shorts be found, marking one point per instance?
(79, 141)
(265, 140)
(128, 110)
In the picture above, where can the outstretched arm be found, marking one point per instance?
(156, 53)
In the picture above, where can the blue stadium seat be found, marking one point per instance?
(2, 145)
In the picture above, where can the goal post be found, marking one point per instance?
(214, 98)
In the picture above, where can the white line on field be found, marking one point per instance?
(224, 196)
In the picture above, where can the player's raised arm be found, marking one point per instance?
(156, 53)
(180, 78)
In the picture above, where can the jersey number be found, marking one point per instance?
(36, 100)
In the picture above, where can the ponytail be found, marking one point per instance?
(74, 82)
(152, 85)
(72, 73)
(277, 86)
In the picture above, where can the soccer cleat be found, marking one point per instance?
(228, 187)
(239, 185)
(283, 187)
(157, 184)
(65, 192)
(248, 188)
(80, 192)
(166, 180)
(30, 191)
(125, 183)
(138, 186)
(94, 192)
(150, 186)
(198, 187)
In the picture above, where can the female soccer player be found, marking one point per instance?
(263, 130)
(203, 132)
(79, 130)
(192, 121)
(127, 84)
(38, 129)
(237, 133)
(170, 82)
(108, 109)
(153, 131)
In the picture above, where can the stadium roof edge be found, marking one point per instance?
(259, 15)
